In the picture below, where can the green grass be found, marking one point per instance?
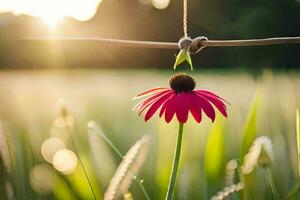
(28, 109)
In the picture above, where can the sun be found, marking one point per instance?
(52, 12)
(51, 20)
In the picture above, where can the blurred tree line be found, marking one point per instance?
(216, 19)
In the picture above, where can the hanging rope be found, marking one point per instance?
(185, 12)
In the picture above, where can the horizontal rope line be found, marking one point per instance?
(173, 45)
(125, 43)
(251, 42)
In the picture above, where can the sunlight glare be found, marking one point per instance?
(51, 21)
(52, 11)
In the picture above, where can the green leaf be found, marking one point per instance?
(182, 56)
(249, 136)
(214, 151)
(189, 60)
(250, 128)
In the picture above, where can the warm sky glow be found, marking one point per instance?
(52, 11)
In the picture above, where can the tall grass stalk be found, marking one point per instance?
(249, 135)
(296, 188)
(270, 181)
(77, 152)
(3, 193)
(228, 191)
(4, 163)
(130, 165)
(93, 125)
(242, 179)
(293, 192)
(250, 128)
(230, 172)
(69, 185)
(298, 138)
(175, 166)
(214, 151)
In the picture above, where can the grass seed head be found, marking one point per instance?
(128, 169)
(261, 153)
(228, 191)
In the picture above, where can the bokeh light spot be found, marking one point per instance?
(50, 146)
(42, 178)
(65, 161)
(160, 4)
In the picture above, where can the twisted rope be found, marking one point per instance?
(185, 11)
(196, 44)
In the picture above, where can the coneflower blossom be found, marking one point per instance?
(180, 99)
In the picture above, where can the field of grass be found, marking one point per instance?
(29, 114)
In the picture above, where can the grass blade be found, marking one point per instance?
(250, 128)
(2, 180)
(249, 136)
(298, 138)
(214, 151)
(271, 183)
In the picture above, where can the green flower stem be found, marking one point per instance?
(172, 181)
(271, 183)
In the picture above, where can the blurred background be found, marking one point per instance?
(97, 82)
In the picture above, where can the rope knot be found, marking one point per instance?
(197, 44)
(184, 43)
(192, 45)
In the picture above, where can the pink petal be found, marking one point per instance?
(182, 108)
(149, 92)
(195, 108)
(163, 108)
(216, 102)
(156, 105)
(210, 94)
(206, 107)
(171, 108)
(147, 102)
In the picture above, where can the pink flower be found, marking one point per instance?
(180, 99)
